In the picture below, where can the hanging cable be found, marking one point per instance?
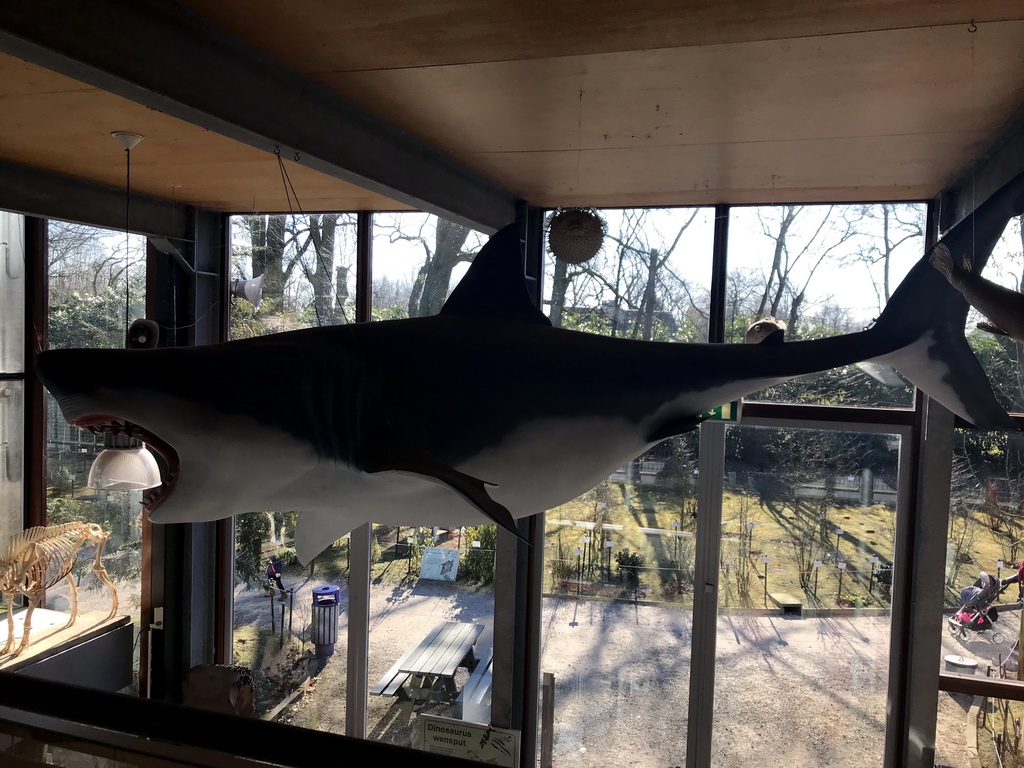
(290, 193)
(127, 221)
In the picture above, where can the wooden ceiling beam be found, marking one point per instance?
(167, 58)
(1000, 160)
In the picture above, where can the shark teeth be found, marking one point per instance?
(99, 424)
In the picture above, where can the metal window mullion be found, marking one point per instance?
(37, 299)
(357, 683)
(711, 463)
(915, 641)
(700, 715)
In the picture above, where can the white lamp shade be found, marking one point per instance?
(124, 469)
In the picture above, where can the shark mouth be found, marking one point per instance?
(104, 424)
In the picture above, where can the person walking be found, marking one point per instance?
(274, 568)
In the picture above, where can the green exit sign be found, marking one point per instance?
(727, 412)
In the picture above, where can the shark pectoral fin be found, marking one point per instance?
(384, 456)
(316, 531)
(991, 328)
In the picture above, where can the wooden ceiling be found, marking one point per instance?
(571, 103)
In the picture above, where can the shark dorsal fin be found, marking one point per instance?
(495, 285)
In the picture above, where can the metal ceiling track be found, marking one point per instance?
(51, 195)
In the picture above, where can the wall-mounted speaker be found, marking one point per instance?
(250, 290)
(143, 334)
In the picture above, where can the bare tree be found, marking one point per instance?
(444, 244)
(887, 227)
(630, 289)
(797, 256)
(89, 261)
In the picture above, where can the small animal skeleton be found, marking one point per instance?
(39, 557)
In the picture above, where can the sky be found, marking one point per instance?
(844, 278)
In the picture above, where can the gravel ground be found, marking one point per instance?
(799, 692)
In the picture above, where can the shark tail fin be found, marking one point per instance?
(926, 316)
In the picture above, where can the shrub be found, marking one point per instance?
(478, 562)
(629, 564)
(288, 555)
(853, 600)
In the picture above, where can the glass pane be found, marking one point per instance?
(982, 626)
(291, 272)
(429, 586)
(808, 523)
(823, 270)
(618, 611)
(985, 545)
(1000, 355)
(619, 559)
(418, 259)
(651, 279)
(12, 293)
(97, 287)
(290, 621)
(12, 453)
(307, 266)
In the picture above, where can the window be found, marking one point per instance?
(823, 270)
(12, 372)
(619, 559)
(1000, 356)
(425, 577)
(984, 545)
(307, 266)
(808, 532)
(301, 271)
(96, 288)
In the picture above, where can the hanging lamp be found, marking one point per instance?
(124, 464)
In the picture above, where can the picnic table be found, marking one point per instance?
(426, 671)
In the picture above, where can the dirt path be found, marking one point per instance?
(796, 692)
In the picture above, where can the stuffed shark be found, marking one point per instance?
(484, 410)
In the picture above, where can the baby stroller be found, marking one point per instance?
(977, 613)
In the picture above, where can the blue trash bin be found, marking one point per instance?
(326, 605)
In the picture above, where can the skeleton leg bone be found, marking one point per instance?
(103, 576)
(9, 602)
(33, 601)
(73, 591)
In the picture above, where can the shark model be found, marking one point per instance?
(484, 408)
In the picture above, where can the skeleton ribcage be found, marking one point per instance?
(39, 557)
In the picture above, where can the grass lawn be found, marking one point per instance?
(652, 528)
(793, 534)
